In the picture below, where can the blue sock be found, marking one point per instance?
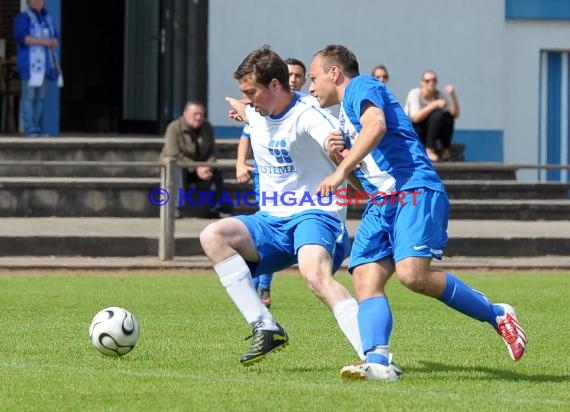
(265, 281)
(470, 302)
(375, 324)
(255, 280)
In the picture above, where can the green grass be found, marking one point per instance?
(187, 357)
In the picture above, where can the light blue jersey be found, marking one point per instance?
(399, 162)
(409, 216)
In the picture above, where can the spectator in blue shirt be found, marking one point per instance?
(36, 40)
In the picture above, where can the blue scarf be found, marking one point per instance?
(40, 56)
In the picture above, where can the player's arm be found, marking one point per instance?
(373, 129)
(335, 147)
(237, 111)
(242, 169)
(355, 182)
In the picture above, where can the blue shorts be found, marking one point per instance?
(279, 238)
(415, 227)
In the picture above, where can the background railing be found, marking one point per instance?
(169, 168)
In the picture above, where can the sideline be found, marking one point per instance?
(51, 265)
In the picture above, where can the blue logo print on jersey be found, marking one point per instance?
(278, 148)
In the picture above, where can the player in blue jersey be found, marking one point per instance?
(293, 225)
(398, 234)
(297, 79)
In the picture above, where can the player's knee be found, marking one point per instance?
(413, 280)
(409, 281)
(210, 237)
(414, 273)
(315, 281)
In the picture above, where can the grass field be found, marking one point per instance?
(192, 337)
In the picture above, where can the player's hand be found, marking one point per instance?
(243, 173)
(237, 111)
(329, 185)
(334, 143)
(234, 115)
(204, 173)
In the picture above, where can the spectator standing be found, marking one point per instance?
(433, 114)
(36, 40)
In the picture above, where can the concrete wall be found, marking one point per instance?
(493, 62)
(524, 40)
(462, 41)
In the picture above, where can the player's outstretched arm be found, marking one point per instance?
(237, 111)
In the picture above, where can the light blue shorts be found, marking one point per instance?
(411, 228)
(278, 239)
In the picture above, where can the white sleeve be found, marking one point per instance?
(412, 105)
(319, 125)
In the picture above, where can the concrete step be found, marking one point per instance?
(471, 189)
(506, 189)
(41, 197)
(114, 237)
(129, 197)
(141, 148)
(73, 152)
(521, 210)
(18, 150)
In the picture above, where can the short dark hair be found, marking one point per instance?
(194, 103)
(339, 55)
(295, 62)
(264, 65)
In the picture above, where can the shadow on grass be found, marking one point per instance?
(492, 373)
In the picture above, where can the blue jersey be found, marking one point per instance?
(399, 162)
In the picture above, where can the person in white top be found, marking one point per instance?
(433, 114)
(244, 172)
(294, 224)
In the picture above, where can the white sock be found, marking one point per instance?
(236, 278)
(346, 314)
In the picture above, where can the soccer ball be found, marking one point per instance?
(114, 331)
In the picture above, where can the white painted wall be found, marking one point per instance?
(493, 62)
(524, 41)
(461, 40)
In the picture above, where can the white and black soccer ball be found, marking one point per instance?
(114, 331)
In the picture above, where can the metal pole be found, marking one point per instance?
(167, 218)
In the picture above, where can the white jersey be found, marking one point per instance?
(291, 158)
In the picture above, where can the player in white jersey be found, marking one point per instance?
(399, 236)
(294, 225)
(244, 172)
